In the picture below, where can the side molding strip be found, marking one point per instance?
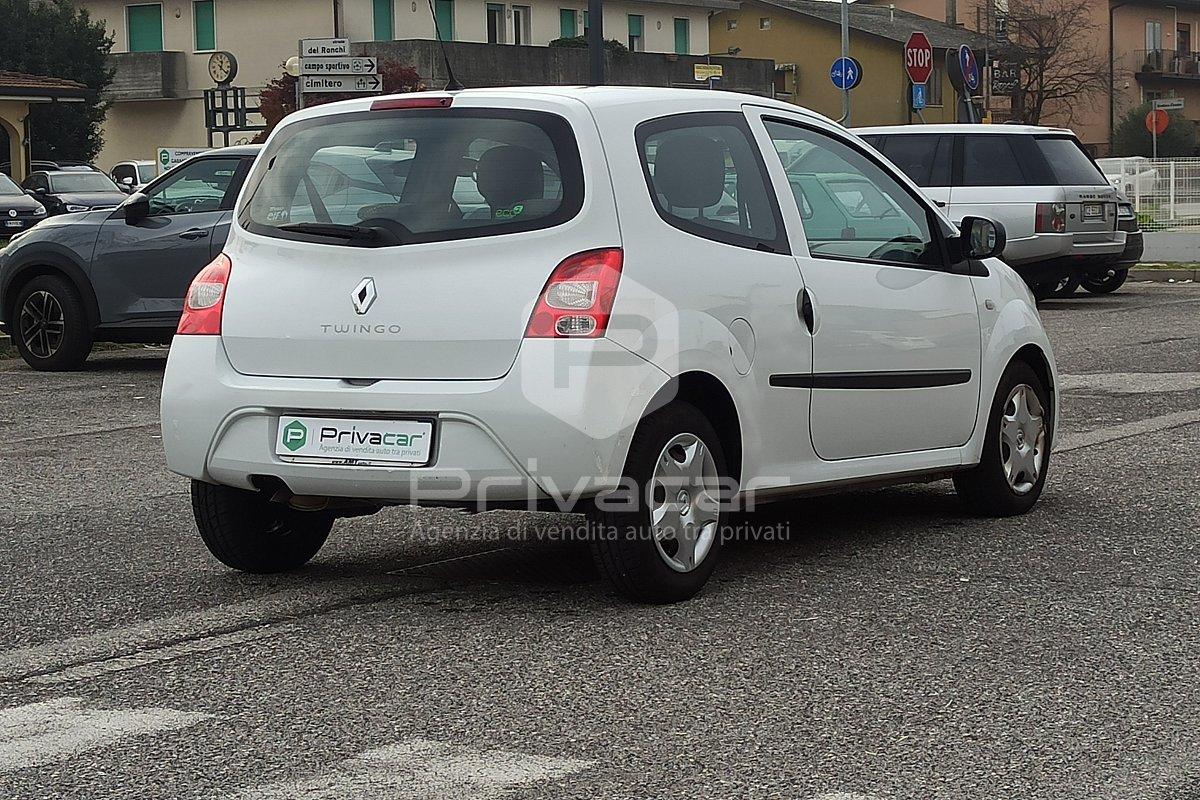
(914, 379)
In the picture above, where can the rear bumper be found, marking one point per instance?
(557, 426)
(1044, 247)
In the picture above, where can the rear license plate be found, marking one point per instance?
(394, 441)
(13, 223)
(1093, 210)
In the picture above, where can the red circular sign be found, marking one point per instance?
(918, 58)
(1156, 121)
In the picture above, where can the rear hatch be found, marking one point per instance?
(403, 244)
(1091, 200)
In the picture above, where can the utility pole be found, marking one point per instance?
(595, 39)
(952, 12)
(845, 120)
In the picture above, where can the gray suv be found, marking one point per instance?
(118, 275)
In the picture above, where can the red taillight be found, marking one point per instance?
(578, 297)
(411, 102)
(206, 299)
(1051, 218)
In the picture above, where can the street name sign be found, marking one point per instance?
(314, 48)
(338, 66)
(1169, 104)
(337, 84)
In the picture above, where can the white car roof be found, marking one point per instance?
(963, 127)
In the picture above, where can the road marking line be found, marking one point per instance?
(42, 733)
(83, 432)
(426, 769)
(175, 629)
(846, 796)
(158, 655)
(1076, 441)
(1131, 382)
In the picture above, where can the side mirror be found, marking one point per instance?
(981, 238)
(137, 208)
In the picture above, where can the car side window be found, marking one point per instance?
(193, 188)
(989, 160)
(123, 171)
(925, 158)
(853, 208)
(36, 182)
(706, 177)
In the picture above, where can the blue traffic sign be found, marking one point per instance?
(969, 66)
(918, 96)
(846, 73)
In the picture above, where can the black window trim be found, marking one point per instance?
(555, 126)
(946, 169)
(931, 219)
(699, 119)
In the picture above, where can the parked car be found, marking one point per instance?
(599, 335)
(1111, 276)
(70, 191)
(118, 275)
(34, 166)
(18, 211)
(133, 176)
(1058, 209)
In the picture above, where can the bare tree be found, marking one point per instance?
(1062, 67)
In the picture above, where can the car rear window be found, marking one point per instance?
(419, 175)
(1069, 163)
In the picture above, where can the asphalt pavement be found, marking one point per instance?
(881, 644)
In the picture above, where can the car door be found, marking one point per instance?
(895, 331)
(141, 269)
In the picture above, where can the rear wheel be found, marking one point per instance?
(662, 545)
(1066, 287)
(50, 327)
(247, 532)
(1104, 282)
(1016, 452)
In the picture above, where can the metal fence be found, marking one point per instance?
(1165, 192)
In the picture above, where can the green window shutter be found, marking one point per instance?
(384, 13)
(566, 23)
(682, 45)
(585, 22)
(205, 24)
(635, 24)
(145, 29)
(445, 19)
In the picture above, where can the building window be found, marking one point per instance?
(585, 23)
(204, 24)
(495, 23)
(566, 23)
(933, 88)
(384, 14)
(764, 23)
(636, 24)
(1154, 36)
(145, 28)
(522, 25)
(731, 25)
(445, 19)
(683, 44)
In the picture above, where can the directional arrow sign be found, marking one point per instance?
(336, 84)
(338, 66)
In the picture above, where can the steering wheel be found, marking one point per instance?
(888, 252)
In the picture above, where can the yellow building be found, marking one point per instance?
(804, 38)
(17, 92)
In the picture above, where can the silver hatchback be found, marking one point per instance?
(1058, 209)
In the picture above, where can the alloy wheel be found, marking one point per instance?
(1023, 438)
(42, 324)
(684, 502)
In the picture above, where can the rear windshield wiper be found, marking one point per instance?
(336, 230)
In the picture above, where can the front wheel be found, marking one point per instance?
(1104, 282)
(1016, 451)
(658, 539)
(248, 532)
(50, 326)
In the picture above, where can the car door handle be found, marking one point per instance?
(194, 233)
(804, 308)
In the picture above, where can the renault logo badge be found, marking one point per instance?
(364, 295)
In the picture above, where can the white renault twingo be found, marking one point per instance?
(651, 305)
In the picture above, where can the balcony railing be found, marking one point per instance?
(1168, 63)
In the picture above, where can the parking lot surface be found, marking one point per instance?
(885, 646)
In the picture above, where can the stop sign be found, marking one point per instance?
(918, 58)
(1156, 121)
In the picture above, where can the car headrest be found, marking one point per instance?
(509, 174)
(689, 170)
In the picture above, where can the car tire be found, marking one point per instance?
(50, 326)
(1016, 450)
(681, 486)
(246, 531)
(1106, 282)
